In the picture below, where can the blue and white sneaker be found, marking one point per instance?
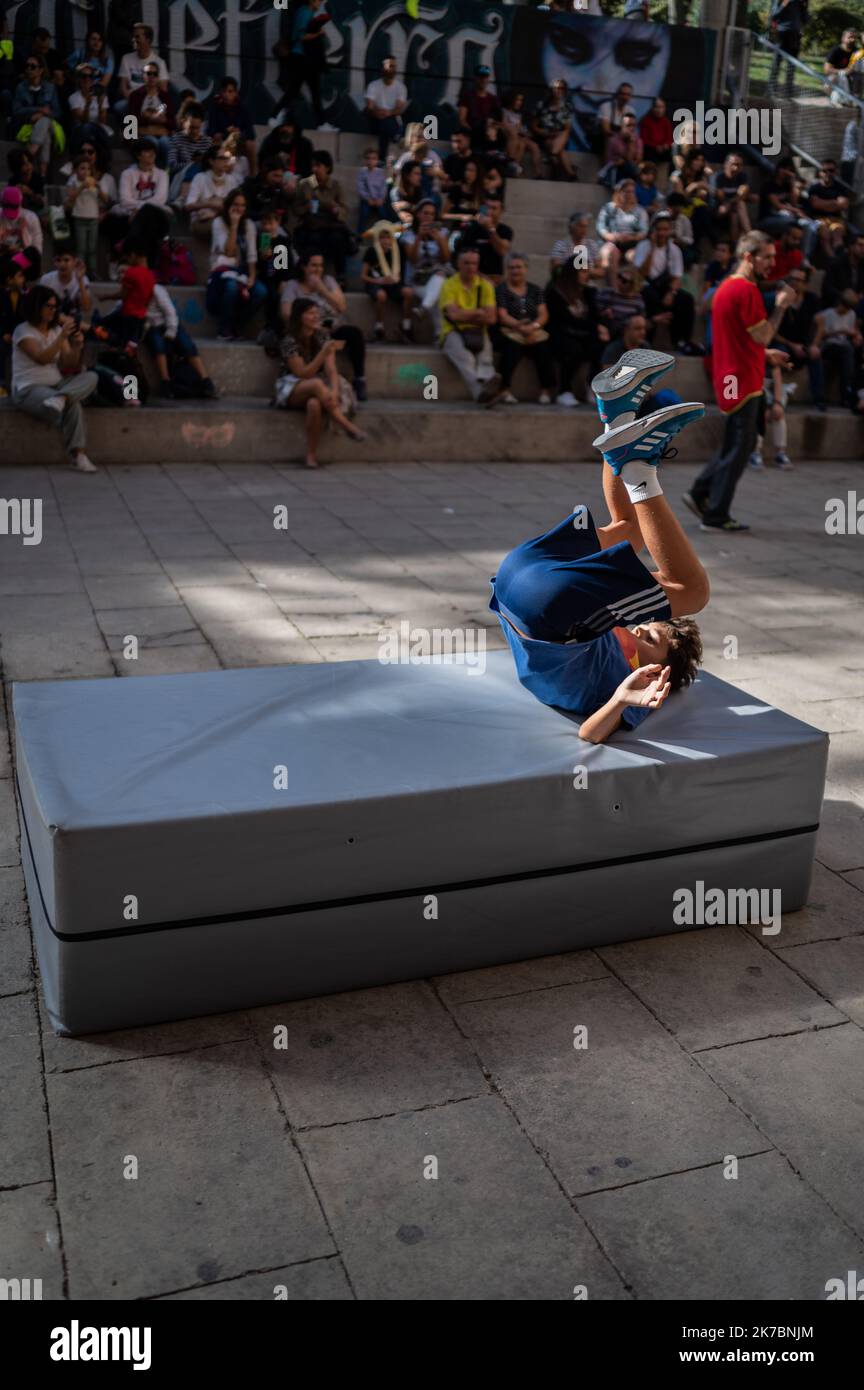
(620, 390)
(646, 440)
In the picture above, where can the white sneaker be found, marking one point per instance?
(83, 464)
(509, 399)
(755, 460)
(57, 403)
(545, 398)
(566, 398)
(327, 126)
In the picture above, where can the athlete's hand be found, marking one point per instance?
(647, 686)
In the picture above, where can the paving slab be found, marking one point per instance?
(835, 969)
(628, 1106)
(9, 855)
(145, 591)
(220, 1189)
(25, 1155)
(100, 1049)
(318, 1280)
(834, 909)
(699, 1235)
(169, 661)
(260, 642)
(500, 980)
(55, 655)
(16, 965)
(493, 1225)
(840, 844)
(806, 1094)
(164, 626)
(365, 1053)
(30, 1240)
(717, 986)
(856, 878)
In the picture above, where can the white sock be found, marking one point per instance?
(642, 480)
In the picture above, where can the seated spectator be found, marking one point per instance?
(682, 227)
(839, 58)
(36, 113)
(795, 334)
(384, 278)
(655, 129)
(551, 124)
(308, 355)
(691, 178)
(88, 109)
(648, 195)
(322, 212)
(477, 103)
(453, 168)
(715, 273)
(611, 113)
(141, 210)
(463, 198)
(624, 153)
(828, 204)
(838, 337)
(418, 149)
(86, 203)
(731, 195)
(849, 150)
(371, 190)
(490, 238)
(288, 142)
(522, 319)
(845, 271)
(405, 194)
(565, 248)
(490, 146)
(43, 349)
(661, 265)
(130, 75)
(789, 256)
(13, 301)
(468, 311)
(20, 230)
(267, 191)
(633, 335)
(69, 282)
(425, 247)
(621, 223)
(153, 109)
(227, 116)
(492, 184)
(276, 266)
(126, 322)
(97, 56)
(325, 291)
(209, 189)
(167, 339)
(518, 138)
(188, 143)
(42, 47)
(386, 99)
(616, 306)
(234, 292)
(23, 174)
(576, 332)
(302, 56)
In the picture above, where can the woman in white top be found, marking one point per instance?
(40, 347)
(88, 107)
(209, 189)
(233, 291)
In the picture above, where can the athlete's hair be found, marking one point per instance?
(685, 651)
(751, 242)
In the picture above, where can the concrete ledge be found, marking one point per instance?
(243, 430)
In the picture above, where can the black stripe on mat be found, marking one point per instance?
(362, 899)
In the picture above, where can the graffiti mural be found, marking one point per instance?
(202, 40)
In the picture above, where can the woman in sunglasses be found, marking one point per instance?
(98, 56)
(35, 110)
(42, 348)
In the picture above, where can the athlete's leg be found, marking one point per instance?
(623, 522)
(679, 570)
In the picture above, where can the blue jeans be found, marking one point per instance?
(158, 343)
(225, 303)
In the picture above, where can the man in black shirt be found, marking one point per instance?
(845, 271)
(828, 202)
(838, 59)
(490, 238)
(455, 161)
(795, 333)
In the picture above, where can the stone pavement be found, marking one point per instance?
(303, 1170)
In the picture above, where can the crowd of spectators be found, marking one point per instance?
(431, 235)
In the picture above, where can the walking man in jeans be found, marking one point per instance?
(740, 334)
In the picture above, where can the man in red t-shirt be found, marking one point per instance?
(789, 254)
(740, 334)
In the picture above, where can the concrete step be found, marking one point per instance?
(243, 431)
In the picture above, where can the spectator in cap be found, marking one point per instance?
(19, 229)
(477, 104)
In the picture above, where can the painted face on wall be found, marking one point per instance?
(596, 56)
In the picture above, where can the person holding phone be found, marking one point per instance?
(310, 380)
(43, 346)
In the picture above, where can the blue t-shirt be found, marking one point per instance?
(575, 676)
(302, 20)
